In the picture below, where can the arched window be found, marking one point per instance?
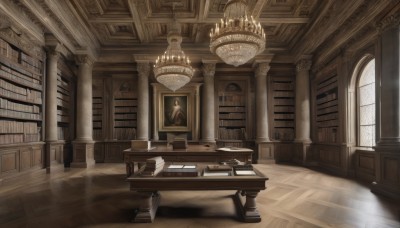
(366, 105)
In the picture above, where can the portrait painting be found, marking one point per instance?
(174, 112)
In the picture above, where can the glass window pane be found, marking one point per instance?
(367, 136)
(368, 74)
(367, 94)
(367, 114)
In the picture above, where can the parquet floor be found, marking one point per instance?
(99, 197)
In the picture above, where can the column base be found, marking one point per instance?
(54, 155)
(208, 142)
(266, 153)
(83, 154)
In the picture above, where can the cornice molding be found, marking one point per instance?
(388, 22)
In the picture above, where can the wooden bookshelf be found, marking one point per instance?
(21, 111)
(232, 113)
(327, 115)
(125, 113)
(65, 107)
(283, 95)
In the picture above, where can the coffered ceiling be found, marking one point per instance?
(125, 30)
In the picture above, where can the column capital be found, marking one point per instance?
(84, 59)
(262, 69)
(143, 68)
(208, 69)
(303, 64)
(388, 22)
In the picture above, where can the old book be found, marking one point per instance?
(219, 167)
(183, 172)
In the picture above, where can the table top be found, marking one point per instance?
(191, 148)
(232, 182)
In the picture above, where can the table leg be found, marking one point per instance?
(148, 207)
(248, 211)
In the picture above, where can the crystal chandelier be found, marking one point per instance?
(237, 38)
(172, 69)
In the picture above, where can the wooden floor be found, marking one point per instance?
(99, 197)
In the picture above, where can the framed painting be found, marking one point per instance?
(175, 112)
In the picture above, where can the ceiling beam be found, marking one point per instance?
(137, 21)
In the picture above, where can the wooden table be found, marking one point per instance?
(194, 153)
(247, 188)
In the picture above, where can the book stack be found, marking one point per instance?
(153, 166)
(179, 143)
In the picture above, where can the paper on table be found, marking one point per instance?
(215, 174)
(245, 172)
(189, 167)
(175, 166)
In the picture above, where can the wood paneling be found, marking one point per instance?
(9, 161)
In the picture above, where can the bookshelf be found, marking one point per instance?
(283, 95)
(64, 102)
(125, 113)
(21, 91)
(327, 116)
(232, 113)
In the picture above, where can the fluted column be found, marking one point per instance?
(388, 107)
(303, 100)
(261, 103)
(208, 113)
(51, 96)
(143, 101)
(83, 145)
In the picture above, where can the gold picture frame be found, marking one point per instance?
(175, 112)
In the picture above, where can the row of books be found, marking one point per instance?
(284, 109)
(6, 104)
(97, 106)
(284, 101)
(25, 77)
(283, 94)
(328, 104)
(125, 116)
(125, 109)
(7, 51)
(124, 133)
(97, 111)
(235, 134)
(327, 110)
(19, 138)
(328, 123)
(97, 100)
(283, 85)
(285, 123)
(97, 124)
(125, 123)
(326, 98)
(31, 63)
(61, 118)
(97, 117)
(327, 81)
(284, 134)
(10, 127)
(327, 88)
(328, 134)
(331, 116)
(62, 96)
(126, 102)
(18, 90)
(97, 134)
(63, 133)
(234, 115)
(61, 83)
(232, 123)
(20, 115)
(62, 103)
(283, 116)
(232, 109)
(31, 97)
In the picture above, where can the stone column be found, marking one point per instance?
(208, 113)
(261, 103)
(51, 136)
(83, 155)
(264, 145)
(388, 106)
(143, 101)
(303, 121)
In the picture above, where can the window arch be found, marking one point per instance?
(366, 105)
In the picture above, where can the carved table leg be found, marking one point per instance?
(248, 210)
(148, 207)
